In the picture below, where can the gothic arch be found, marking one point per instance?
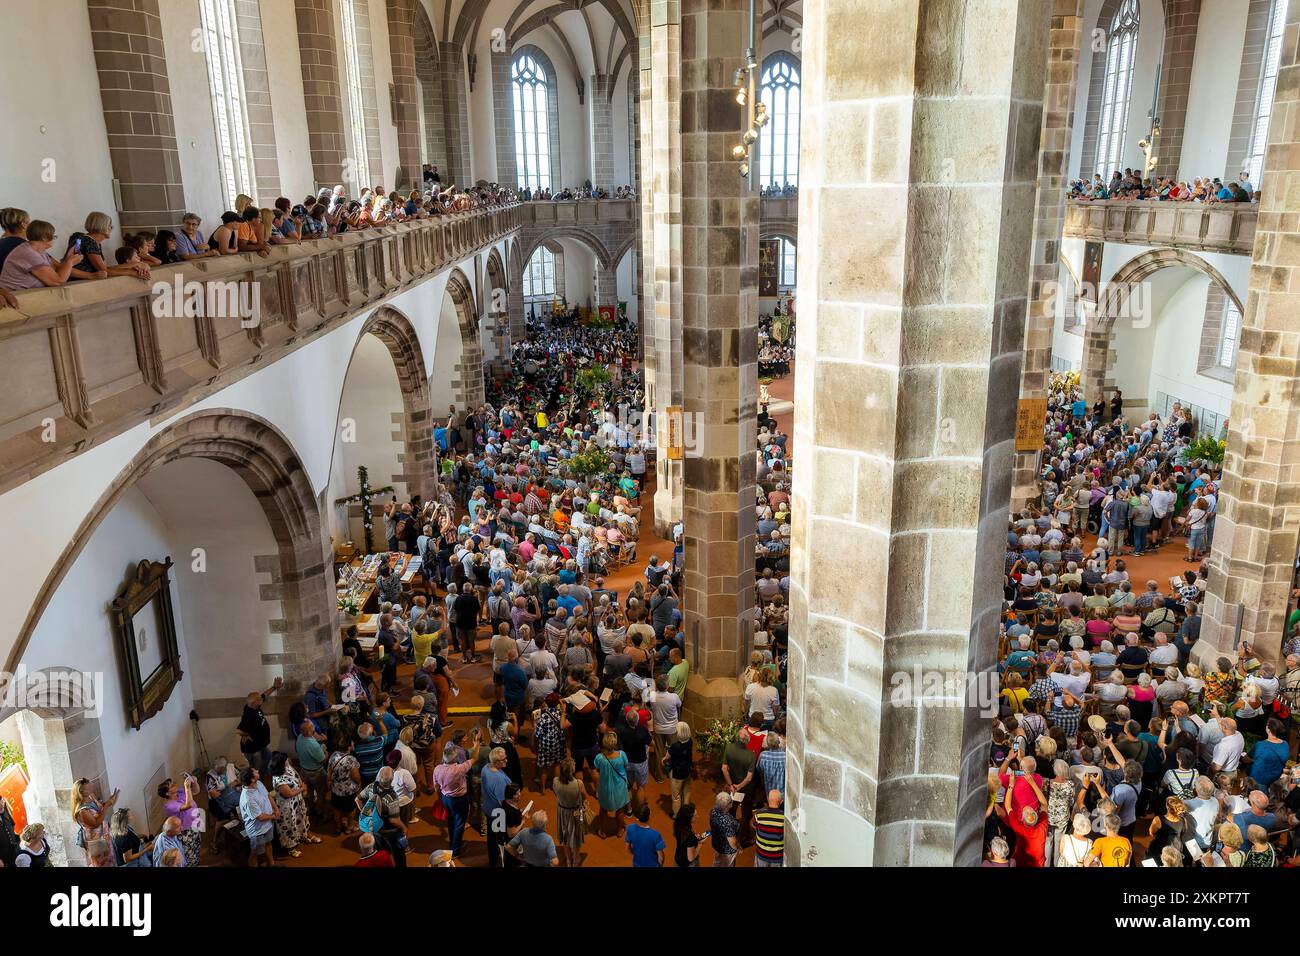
(1113, 303)
(469, 370)
(419, 461)
(603, 258)
(256, 451)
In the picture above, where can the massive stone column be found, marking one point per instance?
(1181, 20)
(659, 30)
(406, 109)
(1258, 525)
(719, 358)
(1049, 219)
(503, 118)
(916, 199)
(137, 101)
(599, 93)
(321, 90)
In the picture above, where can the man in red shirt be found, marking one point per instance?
(370, 856)
(1030, 828)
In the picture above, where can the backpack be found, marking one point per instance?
(370, 820)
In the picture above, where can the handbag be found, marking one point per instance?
(370, 821)
(438, 812)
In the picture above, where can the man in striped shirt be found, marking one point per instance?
(769, 832)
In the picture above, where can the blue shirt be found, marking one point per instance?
(646, 844)
(1079, 408)
(515, 680)
(315, 700)
(253, 802)
(493, 789)
(1247, 818)
(370, 754)
(1267, 761)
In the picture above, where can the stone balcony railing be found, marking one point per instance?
(779, 214)
(578, 212)
(88, 360)
(1225, 227)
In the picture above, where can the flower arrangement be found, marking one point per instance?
(713, 741)
(591, 379)
(592, 460)
(348, 604)
(1208, 449)
(10, 755)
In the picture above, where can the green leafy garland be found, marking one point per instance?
(367, 511)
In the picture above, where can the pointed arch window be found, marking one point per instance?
(539, 277)
(778, 148)
(1267, 88)
(529, 86)
(1121, 52)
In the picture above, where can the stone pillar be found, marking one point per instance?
(321, 90)
(719, 363)
(137, 102)
(920, 144)
(600, 93)
(406, 109)
(1254, 549)
(515, 308)
(606, 286)
(503, 118)
(659, 26)
(451, 59)
(1049, 220)
(1181, 20)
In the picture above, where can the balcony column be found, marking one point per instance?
(320, 84)
(1182, 17)
(1254, 549)
(137, 102)
(451, 61)
(719, 363)
(1049, 221)
(916, 200)
(406, 111)
(503, 118)
(599, 94)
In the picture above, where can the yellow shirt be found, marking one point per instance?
(422, 644)
(1112, 851)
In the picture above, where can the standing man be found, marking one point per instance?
(254, 732)
(259, 816)
(465, 612)
(769, 832)
(645, 844)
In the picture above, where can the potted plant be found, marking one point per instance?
(592, 460)
(348, 607)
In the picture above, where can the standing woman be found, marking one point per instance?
(129, 847)
(178, 801)
(571, 814)
(611, 785)
(688, 842)
(293, 826)
(92, 817)
(549, 727)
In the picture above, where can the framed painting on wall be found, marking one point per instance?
(145, 623)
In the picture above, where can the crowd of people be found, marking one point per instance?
(776, 339)
(774, 191)
(540, 501)
(1132, 185)
(26, 261)
(574, 193)
(1113, 744)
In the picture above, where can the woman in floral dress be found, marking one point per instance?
(294, 826)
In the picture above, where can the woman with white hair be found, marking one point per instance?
(1142, 698)
(1060, 794)
(1111, 691)
(1072, 850)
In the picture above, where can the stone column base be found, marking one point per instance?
(667, 512)
(718, 699)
